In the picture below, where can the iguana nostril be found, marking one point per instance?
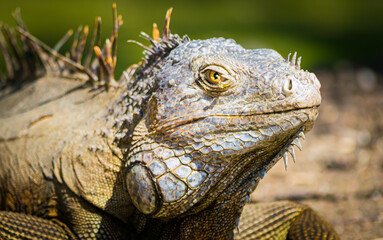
(288, 86)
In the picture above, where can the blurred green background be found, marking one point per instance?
(327, 33)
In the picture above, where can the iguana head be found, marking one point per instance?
(218, 116)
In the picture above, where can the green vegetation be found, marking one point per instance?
(324, 32)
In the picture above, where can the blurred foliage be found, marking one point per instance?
(325, 32)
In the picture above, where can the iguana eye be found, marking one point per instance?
(214, 80)
(213, 77)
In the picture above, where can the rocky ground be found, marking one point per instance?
(339, 173)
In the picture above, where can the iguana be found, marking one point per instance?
(170, 151)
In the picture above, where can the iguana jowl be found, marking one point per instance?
(170, 151)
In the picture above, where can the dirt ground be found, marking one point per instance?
(339, 173)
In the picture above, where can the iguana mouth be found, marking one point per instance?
(286, 111)
(163, 126)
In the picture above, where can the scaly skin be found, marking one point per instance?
(170, 152)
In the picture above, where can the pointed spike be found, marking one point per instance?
(298, 66)
(128, 73)
(117, 23)
(101, 59)
(108, 49)
(98, 35)
(95, 62)
(7, 57)
(285, 159)
(81, 44)
(142, 45)
(146, 36)
(151, 40)
(27, 52)
(297, 143)
(108, 55)
(120, 21)
(17, 16)
(186, 38)
(292, 152)
(293, 59)
(288, 58)
(31, 48)
(20, 64)
(38, 43)
(168, 44)
(156, 33)
(162, 48)
(166, 29)
(301, 135)
(63, 40)
(89, 51)
(104, 62)
(73, 51)
(114, 53)
(47, 61)
(176, 39)
(99, 54)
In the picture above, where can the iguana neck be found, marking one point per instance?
(140, 82)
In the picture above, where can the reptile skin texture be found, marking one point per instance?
(172, 150)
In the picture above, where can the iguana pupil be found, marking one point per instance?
(216, 76)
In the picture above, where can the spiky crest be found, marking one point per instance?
(160, 46)
(34, 58)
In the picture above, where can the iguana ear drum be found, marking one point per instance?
(141, 189)
(152, 113)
